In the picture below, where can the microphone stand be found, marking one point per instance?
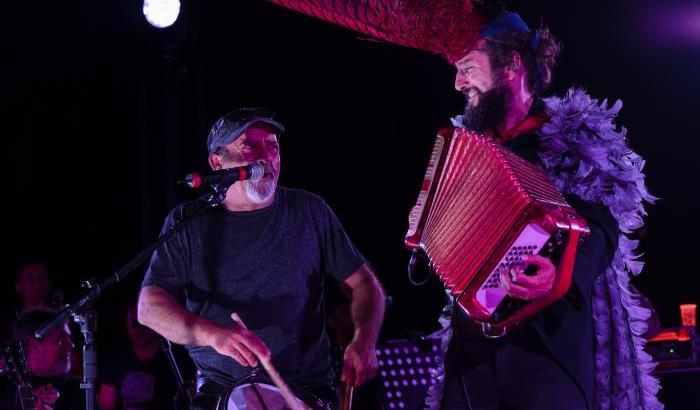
(83, 313)
(182, 399)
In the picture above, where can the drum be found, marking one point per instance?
(258, 396)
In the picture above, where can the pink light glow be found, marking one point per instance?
(673, 25)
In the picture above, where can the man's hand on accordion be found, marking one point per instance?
(530, 279)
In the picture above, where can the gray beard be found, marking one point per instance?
(261, 191)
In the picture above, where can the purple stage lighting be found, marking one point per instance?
(673, 25)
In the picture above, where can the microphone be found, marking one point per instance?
(226, 177)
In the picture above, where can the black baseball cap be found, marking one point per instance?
(230, 126)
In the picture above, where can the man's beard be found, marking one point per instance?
(489, 112)
(261, 191)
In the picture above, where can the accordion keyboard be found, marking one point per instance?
(529, 242)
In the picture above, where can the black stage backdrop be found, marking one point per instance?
(102, 113)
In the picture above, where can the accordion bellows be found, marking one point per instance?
(481, 209)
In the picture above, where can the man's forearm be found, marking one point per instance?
(161, 312)
(367, 305)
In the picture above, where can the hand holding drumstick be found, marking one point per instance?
(266, 362)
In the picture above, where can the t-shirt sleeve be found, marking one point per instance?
(340, 256)
(168, 269)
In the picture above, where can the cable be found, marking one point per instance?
(412, 263)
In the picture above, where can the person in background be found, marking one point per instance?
(48, 361)
(138, 375)
(32, 285)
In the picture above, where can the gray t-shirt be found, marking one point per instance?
(267, 265)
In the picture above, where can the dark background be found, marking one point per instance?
(102, 113)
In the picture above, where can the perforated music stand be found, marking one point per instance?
(405, 369)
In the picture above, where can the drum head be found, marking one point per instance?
(256, 396)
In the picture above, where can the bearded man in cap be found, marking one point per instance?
(264, 255)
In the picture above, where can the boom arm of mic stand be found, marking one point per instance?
(82, 310)
(86, 301)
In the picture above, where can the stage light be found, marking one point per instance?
(161, 13)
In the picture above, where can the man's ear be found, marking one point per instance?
(215, 161)
(514, 65)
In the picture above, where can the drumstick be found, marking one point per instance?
(286, 392)
(347, 397)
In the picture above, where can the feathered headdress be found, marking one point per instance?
(448, 28)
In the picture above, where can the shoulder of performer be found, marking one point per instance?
(301, 197)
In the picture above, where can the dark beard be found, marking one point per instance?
(490, 111)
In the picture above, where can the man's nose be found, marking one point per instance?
(461, 81)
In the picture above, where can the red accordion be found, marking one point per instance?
(481, 209)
